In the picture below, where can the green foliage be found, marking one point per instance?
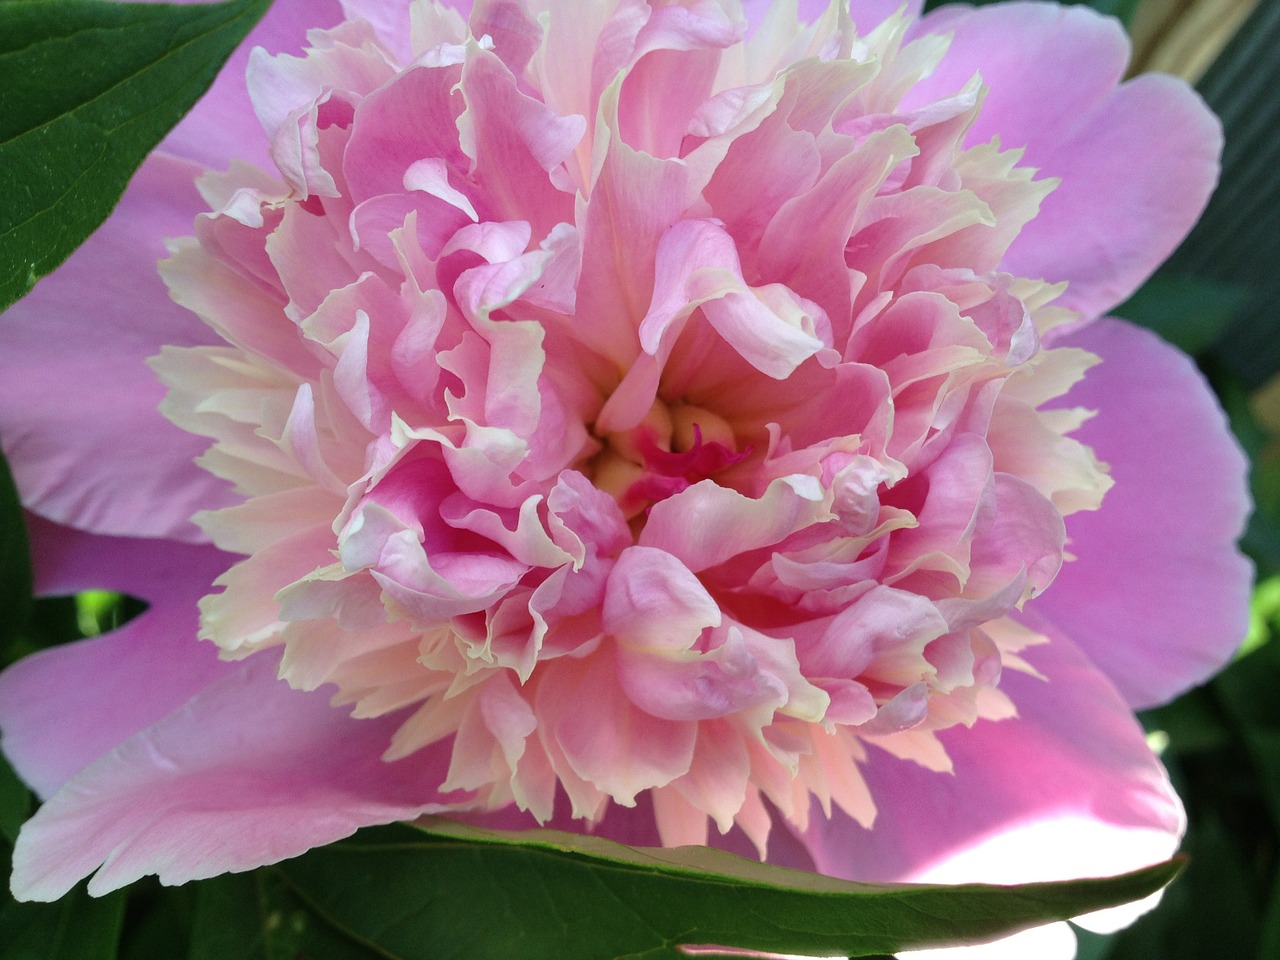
(459, 892)
(77, 927)
(15, 561)
(1237, 241)
(87, 89)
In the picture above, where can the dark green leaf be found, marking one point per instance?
(1092, 946)
(157, 921)
(15, 561)
(1270, 945)
(459, 892)
(1189, 312)
(87, 89)
(15, 802)
(1238, 239)
(77, 927)
(1194, 723)
(1247, 691)
(256, 916)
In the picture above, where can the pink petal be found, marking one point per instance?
(1158, 596)
(707, 524)
(583, 713)
(65, 707)
(517, 146)
(1066, 789)
(222, 125)
(653, 600)
(769, 326)
(78, 404)
(390, 18)
(1137, 163)
(248, 772)
(866, 13)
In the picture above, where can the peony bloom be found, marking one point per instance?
(643, 417)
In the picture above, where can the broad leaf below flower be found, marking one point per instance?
(415, 894)
(71, 138)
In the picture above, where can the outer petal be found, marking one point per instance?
(1137, 163)
(1158, 596)
(78, 414)
(65, 707)
(247, 773)
(222, 125)
(1066, 789)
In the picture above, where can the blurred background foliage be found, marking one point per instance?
(1216, 298)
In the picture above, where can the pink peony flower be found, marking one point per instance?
(638, 417)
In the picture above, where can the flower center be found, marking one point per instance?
(672, 448)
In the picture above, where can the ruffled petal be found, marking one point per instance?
(65, 707)
(78, 413)
(1102, 230)
(247, 773)
(1068, 788)
(1158, 596)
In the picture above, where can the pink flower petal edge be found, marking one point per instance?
(1101, 230)
(1157, 564)
(78, 411)
(226, 107)
(247, 772)
(147, 486)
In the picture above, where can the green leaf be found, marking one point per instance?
(1247, 692)
(1237, 241)
(77, 927)
(15, 802)
(87, 89)
(449, 891)
(256, 916)
(1190, 312)
(157, 921)
(1270, 939)
(15, 561)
